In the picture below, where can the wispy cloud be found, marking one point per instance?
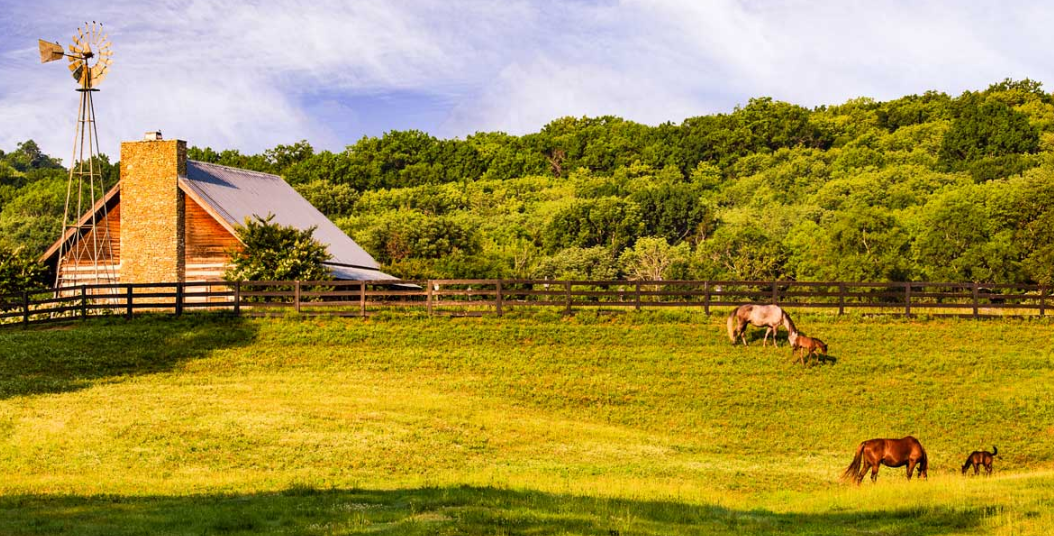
(250, 75)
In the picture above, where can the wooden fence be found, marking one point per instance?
(499, 296)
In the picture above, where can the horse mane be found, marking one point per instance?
(788, 323)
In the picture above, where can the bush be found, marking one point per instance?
(275, 252)
(19, 270)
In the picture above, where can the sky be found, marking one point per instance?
(249, 75)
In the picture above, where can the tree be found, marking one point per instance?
(409, 234)
(652, 259)
(743, 252)
(609, 222)
(275, 252)
(987, 137)
(20, 271)
(594, 263)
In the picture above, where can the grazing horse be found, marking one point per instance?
(889, 452)
(800, 343)
(762, 316)
(978, 458)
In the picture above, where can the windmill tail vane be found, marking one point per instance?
(86, 255)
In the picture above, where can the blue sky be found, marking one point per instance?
(249, 75)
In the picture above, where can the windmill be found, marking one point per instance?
(85, 254)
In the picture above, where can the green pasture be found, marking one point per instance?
(641, 423)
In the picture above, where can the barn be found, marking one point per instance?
(170, 220)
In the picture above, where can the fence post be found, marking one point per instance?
(775, 294)
(362, 299)
(637, 292)
(907, 299)
(296, 296)
(706, 297)
(237, 298)
(841, 299)
(84, 303)
(179, 299)
(128, 304)
(1042, 300)
(25, 308)
(497, 303)
(567, 290)
(428, 300)
(975, 298)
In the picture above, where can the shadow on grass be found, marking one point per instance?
(66, 358)
(449, 510)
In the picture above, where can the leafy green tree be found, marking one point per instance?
(987, 137)
(275, 252)
(333, 200)
(654, 259)
(593, 264)
(409, 234)
(20, 270)
(675, 212)
(742, 252)
(609, 222)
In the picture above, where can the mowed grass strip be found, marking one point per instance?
(646, 423)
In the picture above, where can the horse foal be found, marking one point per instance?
(801, 344)
(978, 458)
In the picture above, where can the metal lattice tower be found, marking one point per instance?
(85, 254)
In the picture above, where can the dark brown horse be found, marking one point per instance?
(889, 452)
(978, 458)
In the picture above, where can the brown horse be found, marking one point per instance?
(762, 316)
(978, 458)
(802, 344)
(889, 452)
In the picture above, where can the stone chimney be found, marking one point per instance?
(152, 210)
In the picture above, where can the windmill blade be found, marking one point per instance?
(98, 73)
(78, 72)
(74, 64)
(49, 51)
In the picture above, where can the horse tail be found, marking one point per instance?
(995, 450)
(853, 471)
(731, 326)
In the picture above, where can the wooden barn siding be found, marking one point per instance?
(207, 244)
(75, 273)
(113, 222)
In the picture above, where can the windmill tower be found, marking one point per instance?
(85, 254)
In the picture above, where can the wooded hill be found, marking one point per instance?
(925, 187)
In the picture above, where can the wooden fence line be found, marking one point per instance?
(498, 296)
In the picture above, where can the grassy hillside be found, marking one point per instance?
(643, 424)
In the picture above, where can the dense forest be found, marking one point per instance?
(925, 187)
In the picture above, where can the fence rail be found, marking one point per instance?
(476, 297)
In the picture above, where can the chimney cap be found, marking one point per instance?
(152, 135)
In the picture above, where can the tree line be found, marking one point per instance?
(924, 187)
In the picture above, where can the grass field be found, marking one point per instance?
(645, 423)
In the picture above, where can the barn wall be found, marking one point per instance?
(75, 272)
(207, 245)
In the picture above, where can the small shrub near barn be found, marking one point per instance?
(275, 252)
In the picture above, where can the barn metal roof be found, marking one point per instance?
(236, 194)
